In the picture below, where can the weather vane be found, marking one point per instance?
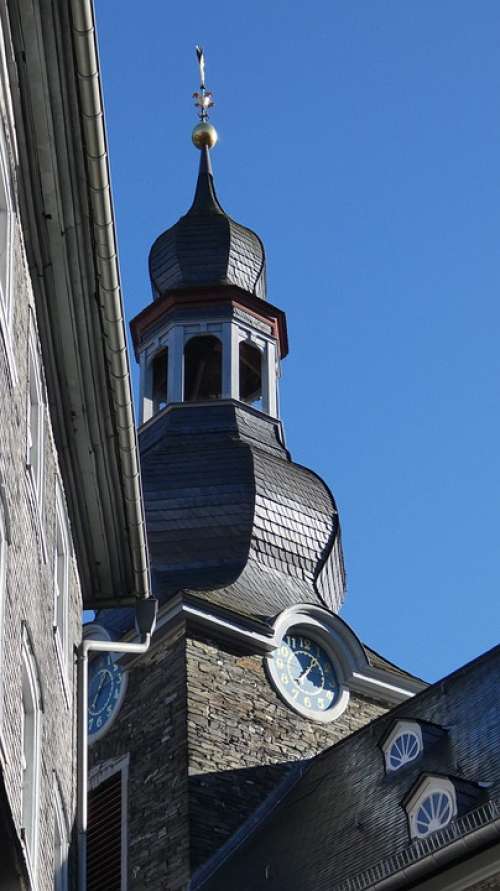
(204, 134)
(204, 98)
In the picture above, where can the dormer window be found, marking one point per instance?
(432, 806)
(203, 369)
(403, 745)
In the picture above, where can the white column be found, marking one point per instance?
(146, 395)
(235, 362)
(269, 384)
(226, 359)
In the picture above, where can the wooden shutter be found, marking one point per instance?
(104, 835)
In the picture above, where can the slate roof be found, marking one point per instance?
(231, 518)
(207, 248)
(343, 828)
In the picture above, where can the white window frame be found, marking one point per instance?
(6, 254)
(400, 728)
(31, 710)
(62, 553)
(427, 787)
(35, 433)
(61, 841)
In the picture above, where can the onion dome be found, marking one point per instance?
(206, 248)
(231, 519)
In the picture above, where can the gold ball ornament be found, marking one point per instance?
(204, 134)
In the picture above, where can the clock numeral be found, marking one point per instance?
(279, 663)
(295, 693)
(307, 702)
(328, 694)
(284, 679)
(321, 702)
(284, 650)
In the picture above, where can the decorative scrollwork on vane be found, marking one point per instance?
(204, 98)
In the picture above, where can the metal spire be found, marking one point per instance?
(204, 134)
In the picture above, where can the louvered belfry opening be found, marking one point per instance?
(250, 374)
(104, 835)
(202, 369)
(159, 382)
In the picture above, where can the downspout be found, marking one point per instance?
(146, 621)
(110, 298)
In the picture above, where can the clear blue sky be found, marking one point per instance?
(361, 139)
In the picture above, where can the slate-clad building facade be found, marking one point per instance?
(71, 512)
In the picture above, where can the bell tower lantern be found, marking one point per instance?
(210, 333)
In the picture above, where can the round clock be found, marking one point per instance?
(304, 676)
(107, 684)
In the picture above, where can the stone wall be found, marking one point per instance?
(29, 588)
(242, 740)
(151, 728)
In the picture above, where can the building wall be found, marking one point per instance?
(29, 584)
(243, 741)
(151, 729)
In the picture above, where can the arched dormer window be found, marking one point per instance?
(159, 377)
(202, 369)
(250, 360)
(432, 806)
(403, 745)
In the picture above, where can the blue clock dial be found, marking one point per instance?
(106, 688)
(304, 675)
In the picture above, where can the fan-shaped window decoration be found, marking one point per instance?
(202, 369)
(435, 812)
(405, 748)
(403, 745)
(432, 806)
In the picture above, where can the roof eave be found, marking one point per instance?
(72, 254)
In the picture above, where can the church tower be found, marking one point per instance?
(251, 672)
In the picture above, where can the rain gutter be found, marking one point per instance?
(110, 296)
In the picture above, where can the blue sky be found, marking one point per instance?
(361, 139)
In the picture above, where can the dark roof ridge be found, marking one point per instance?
(398, 668)
(403, 706)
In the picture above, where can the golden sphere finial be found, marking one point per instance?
(204, 134)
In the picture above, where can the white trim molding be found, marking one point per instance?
(7, 231)
(31, 755)
(61, 557)
(351, 661)
(35, 429)
(61, 841)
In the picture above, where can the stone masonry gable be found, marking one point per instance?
(243, 741)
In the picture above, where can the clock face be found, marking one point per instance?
(304, 675)
(106, 690)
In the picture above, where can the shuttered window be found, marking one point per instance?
(104, 835)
